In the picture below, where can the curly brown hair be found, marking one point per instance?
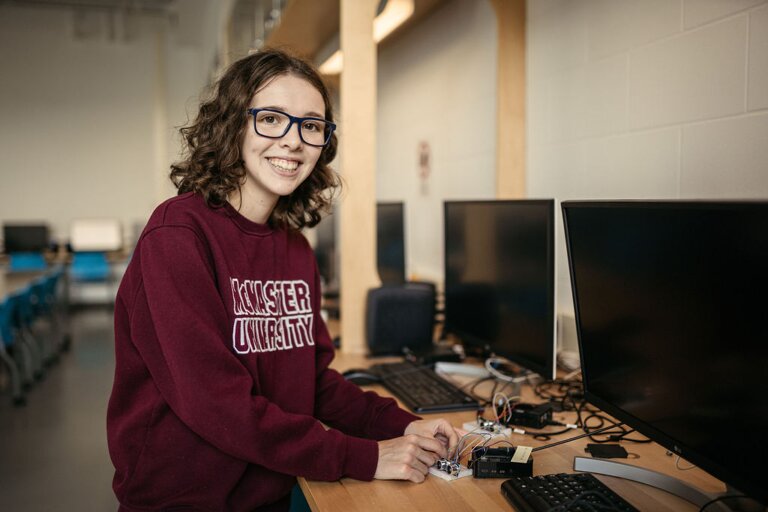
(212, 164)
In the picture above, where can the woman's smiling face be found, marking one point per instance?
(276, 167)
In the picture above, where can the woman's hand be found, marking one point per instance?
(408, 457)
(438, 429)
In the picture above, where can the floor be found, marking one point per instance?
(53, 451)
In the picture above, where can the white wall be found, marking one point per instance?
(89, 124)
(437, 83)
(74, 137)
(646, 99)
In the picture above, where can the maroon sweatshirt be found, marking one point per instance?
(222, 377)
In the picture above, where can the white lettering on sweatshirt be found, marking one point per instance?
(271, 315)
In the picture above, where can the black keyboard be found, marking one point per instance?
(421, 389)
(562, 492)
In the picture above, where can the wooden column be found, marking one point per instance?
(358, 166)
(510, 99)
(163, 188)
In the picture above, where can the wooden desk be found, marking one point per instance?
(483, 495)
(12, 282)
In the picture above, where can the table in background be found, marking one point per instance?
(15, 281)
(484, 495)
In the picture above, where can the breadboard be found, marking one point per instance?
(463, 472)
(471, 426)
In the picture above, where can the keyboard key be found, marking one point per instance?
(423, 390)
(575, 492)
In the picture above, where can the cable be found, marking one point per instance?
(572, 438)
(502, 377)
(723, 498)
(677, 464)
(572, 374)
(471, 392)
(568, 394)
(619, 435)
(460, 447)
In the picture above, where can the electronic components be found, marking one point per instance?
(491, 426)
(449, 470)
(530, 415)
(448, 466)
(485, 426)
(500, 462)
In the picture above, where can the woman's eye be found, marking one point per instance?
(269, 119)
(312, 126)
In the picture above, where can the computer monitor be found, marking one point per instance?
(325, 251)
(25, 238)
(670, 303)
(390, 242)
(500, 279)
(95, 235)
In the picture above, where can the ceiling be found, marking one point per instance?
(306, 26)
(156, 6)
(309, 27)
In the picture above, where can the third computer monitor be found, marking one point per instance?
(500, 279)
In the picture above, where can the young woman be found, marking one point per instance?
(222, 378)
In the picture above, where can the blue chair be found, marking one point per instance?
(90, 270)
(89, 266)
(23, 353)
(27, 262)
(22, 323)
(8, 345)
(41, 314)
(54, 309)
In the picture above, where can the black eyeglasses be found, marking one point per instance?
(274, 124)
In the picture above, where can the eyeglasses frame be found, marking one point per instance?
(292, 120)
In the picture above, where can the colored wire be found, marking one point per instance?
(677, 464)
(496, 373)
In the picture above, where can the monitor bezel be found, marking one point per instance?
(673, 445)
(549, 370)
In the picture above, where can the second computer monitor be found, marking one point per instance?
(390, 242)
(500, 279)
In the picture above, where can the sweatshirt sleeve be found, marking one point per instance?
(343, 405)
(205, 385)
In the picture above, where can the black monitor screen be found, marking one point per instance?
(25, 238)
(390, 243)
(671, 304)
(325, 250)
(499, 279)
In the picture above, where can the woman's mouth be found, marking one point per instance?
(283, 166)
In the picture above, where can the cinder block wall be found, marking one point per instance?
(646, 99)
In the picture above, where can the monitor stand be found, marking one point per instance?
(661, 481)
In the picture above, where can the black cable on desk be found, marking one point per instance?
(726, 497)
(572, 439)
(613, 437)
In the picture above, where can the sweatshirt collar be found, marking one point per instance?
(245, 224)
